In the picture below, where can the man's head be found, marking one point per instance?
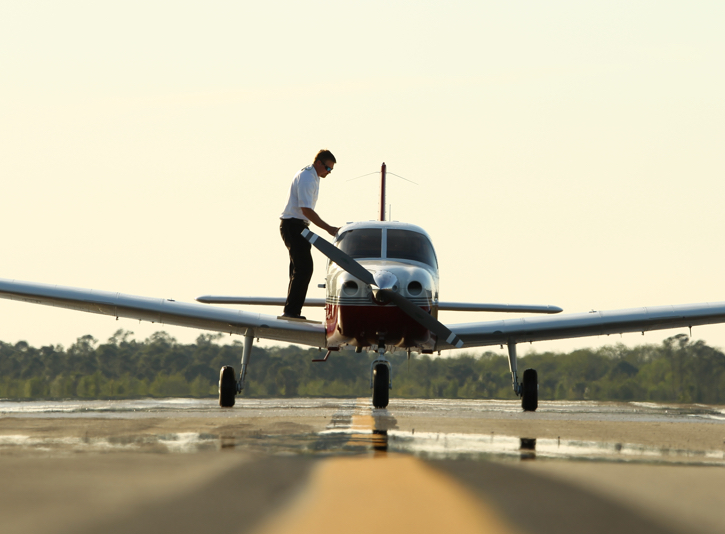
(324, 163)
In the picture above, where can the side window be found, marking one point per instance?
(407, 245)
(362, 243)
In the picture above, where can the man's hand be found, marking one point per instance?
(317, 221)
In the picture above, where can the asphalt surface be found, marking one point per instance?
(337, 465)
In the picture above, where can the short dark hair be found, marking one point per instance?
(325, 155)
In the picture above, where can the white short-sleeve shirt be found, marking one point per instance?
(302, 194)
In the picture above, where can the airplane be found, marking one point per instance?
(382, 295)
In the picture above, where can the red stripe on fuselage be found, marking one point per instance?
(363, 326)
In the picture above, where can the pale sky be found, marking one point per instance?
(567, 153)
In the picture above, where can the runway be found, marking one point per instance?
(332, 465)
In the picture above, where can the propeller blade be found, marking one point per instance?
(339, 257)
(421, 316)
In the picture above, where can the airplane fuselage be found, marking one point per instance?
(402, 259)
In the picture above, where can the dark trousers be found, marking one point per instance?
(300, 264)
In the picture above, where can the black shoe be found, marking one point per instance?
(290, 316)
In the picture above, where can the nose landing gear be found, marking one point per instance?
(381, 386)
(380, 381)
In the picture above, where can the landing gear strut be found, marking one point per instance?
(229, 387)
(246, 355)
(529, 389)
(380, 379)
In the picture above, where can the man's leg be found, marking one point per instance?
(300, 266)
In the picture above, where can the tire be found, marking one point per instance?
(227, 387)
(381, 386)
(530, 388)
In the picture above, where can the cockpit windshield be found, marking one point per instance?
(401, 245)
(362, 243)
(407, 245)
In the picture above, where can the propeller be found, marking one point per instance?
(383, 288)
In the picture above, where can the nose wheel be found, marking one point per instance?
(381, 385)
(380, 378)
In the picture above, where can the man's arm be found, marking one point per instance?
(314, 218)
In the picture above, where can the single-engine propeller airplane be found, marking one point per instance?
(382, 296)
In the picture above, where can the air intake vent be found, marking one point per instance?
(415, 288)
(350, 288)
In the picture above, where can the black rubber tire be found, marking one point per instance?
(227, 386)
(381, 386)
(530, 391)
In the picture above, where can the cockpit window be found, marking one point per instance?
(362, 243)
(407, 245)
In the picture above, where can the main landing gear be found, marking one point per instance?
(380, 382)
(528, 390)
(228, 386)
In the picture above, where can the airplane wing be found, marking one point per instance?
(166, 311)
(594, 323)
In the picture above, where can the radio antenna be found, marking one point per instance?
(382, 191)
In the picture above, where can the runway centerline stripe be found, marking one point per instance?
(393, 491)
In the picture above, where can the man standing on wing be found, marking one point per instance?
(297, 215)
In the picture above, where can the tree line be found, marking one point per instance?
(677, 370)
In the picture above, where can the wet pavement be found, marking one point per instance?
(283, 465)
(352, 426)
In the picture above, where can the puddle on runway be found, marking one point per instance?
(359, 441)
(355, 428)
(623, 411)
(109, 408)
(380, 434)
(434, 445)
(184, 442)
(640, 411)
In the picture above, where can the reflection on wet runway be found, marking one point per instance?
(441, 446)
(354, 427)
(184, 442)
(634, 411)
(377, 429)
